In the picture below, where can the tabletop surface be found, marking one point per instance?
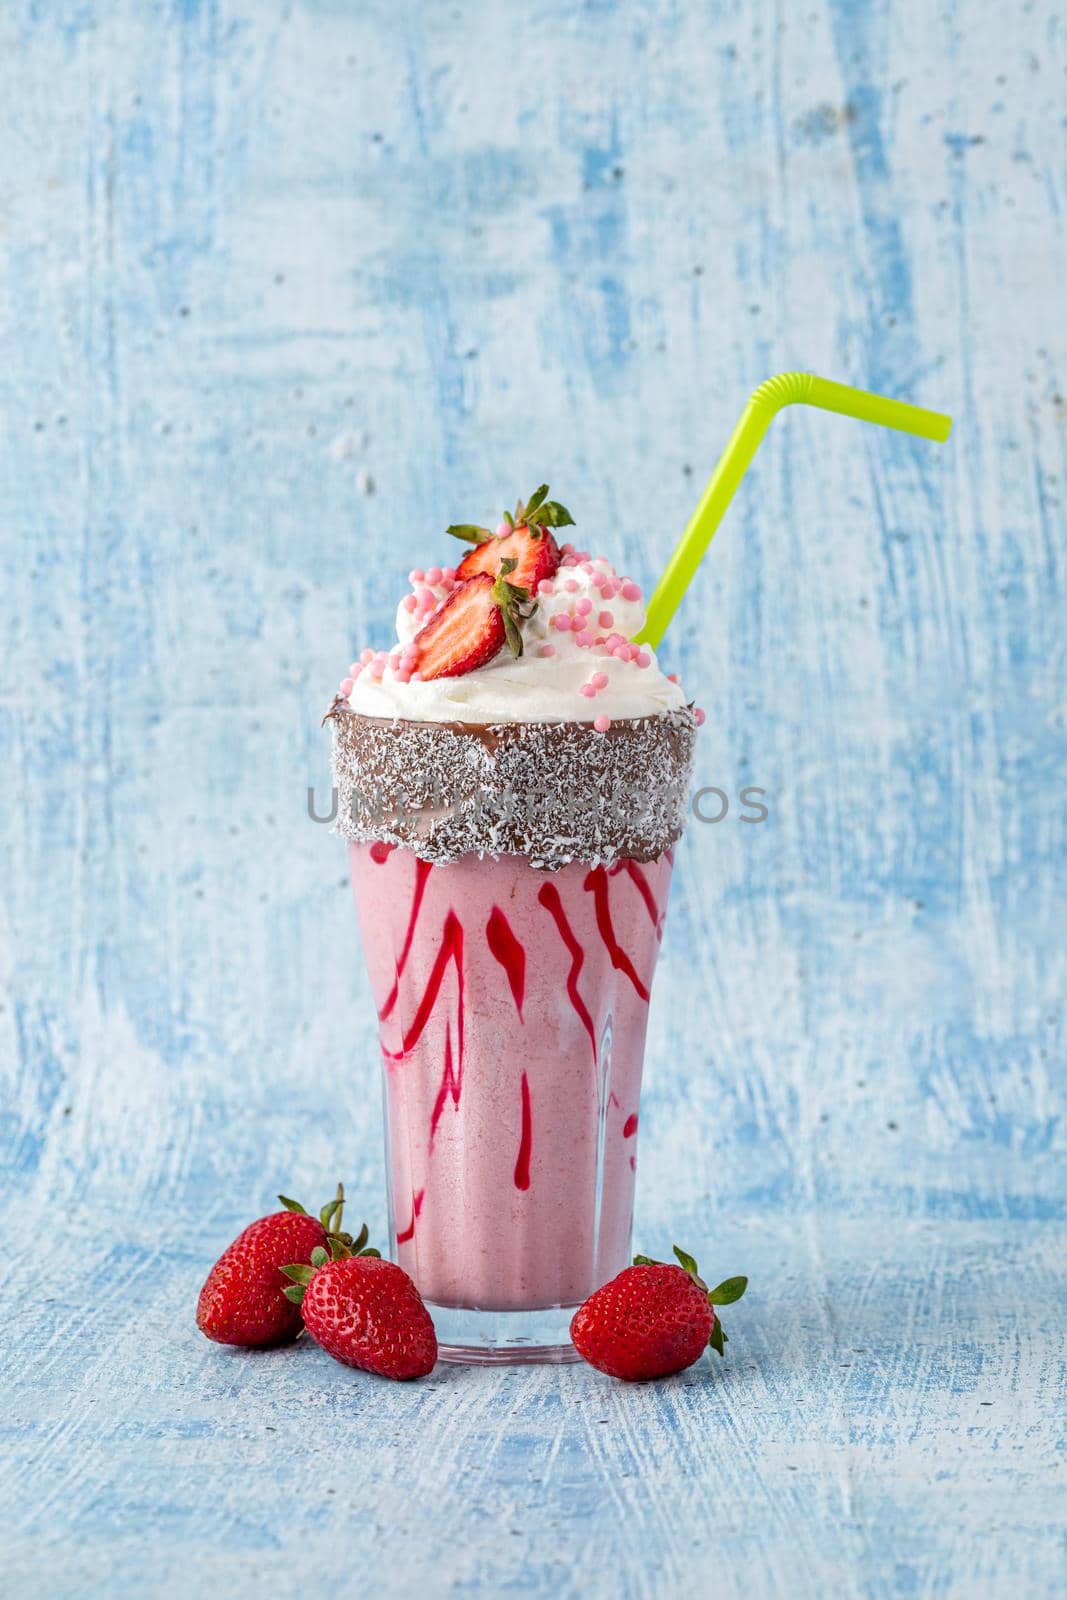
(291, 287)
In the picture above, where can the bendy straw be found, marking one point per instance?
(787, 389)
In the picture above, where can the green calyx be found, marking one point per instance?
(537, 513)
(509, 598)
(338, 1244)
(723, 1294)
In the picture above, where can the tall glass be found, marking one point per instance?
(512, 1004)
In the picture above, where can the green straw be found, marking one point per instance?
(787, 389)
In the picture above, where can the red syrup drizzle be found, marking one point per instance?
(522, 1162)
(509, 952)
(630, 1126)
(379, 852)
(548, 895)
(416, 1207)
(451, 1084)
(450, 949)
(597, 884)
(644, 891)
(422, 872)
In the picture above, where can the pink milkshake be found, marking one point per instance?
(512, 1005)
(511, 815)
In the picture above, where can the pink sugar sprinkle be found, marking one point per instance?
(353, 671)
(376, 671)
(699, 717)
(347, 685)
(572, 585)
(587, 689)
(366, 655)
(615, 639)
(602, 723)
(409, 602)
(605, 619)
(546, 650)
(416, 575)
(568, 561)
(643, 658)
(425, 598)
(433, 574)
(583, 606)
(584, 638)
(561, 621)
(546, 586)
(503, 529)
(448, 574)
(599, 680)
(631, 591)
(672, 677)
(581, 555)
(403, 673)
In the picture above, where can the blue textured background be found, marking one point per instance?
(284, 289)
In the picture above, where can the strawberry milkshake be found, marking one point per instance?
(512, 777)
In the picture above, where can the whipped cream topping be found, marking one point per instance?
(577, 663)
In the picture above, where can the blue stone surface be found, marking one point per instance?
(285, 288)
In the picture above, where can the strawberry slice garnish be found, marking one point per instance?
(523, 537)
(472, 626)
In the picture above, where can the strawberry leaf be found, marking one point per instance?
(536, 499)
(295, 1293)
(553, 515)
(360, 1240)
(319, 1256)
(470, 532)
(370, 1251)
(299, 1273)
(292, 1205)
(726, 1292)
(718, 1338)
(648, 1261)
(330, 1215)
(686, 1260)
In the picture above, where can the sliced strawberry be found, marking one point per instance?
(464, 634)
(471, 627)
(533, 550)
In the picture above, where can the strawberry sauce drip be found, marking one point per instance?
(416, 1207)
(548, 896)
(379, 852)
(422, 872)
(450, 949)
(451, 1084)
(597, 884)
(630, 1126)
(643, 889)
(522, 1163)
(509, 952)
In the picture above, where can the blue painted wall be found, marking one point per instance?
(284, 288)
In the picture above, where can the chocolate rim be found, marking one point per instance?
(556, 792)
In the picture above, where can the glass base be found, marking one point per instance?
(502, 1338)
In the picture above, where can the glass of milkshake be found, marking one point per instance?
(512, 777)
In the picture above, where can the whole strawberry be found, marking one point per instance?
(653, 1319)
(243, 1301)
(365, 1312)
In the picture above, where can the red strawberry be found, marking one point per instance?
(653, 1319)
(526, 541)
(471, 627)
(534, 551)
(367, 1313)
(243, 1301)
